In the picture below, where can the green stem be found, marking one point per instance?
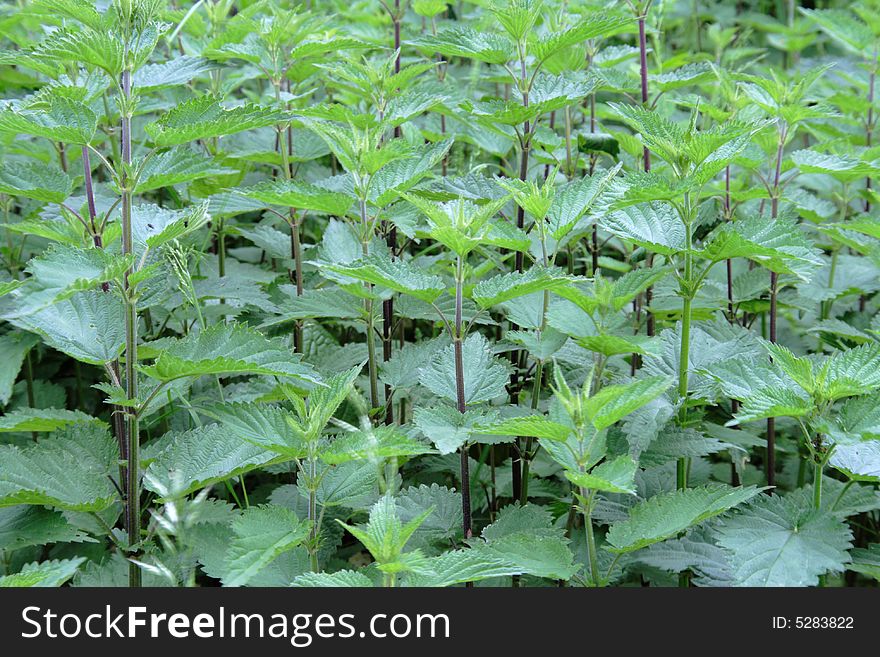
(285, 141)
(684, 356)
(313, 514)
(29, 386)
(368, 308)
(527, 453)
(591, 539)
(817, 485)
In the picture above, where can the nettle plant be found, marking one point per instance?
(517, 293)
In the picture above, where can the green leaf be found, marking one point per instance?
(613, 345)
(385, 535)
(505, 287)
(319, 303)
(341, 578)
(228, 349)
(575, 198)
(396, 177)
(517, 17)
(460, 566)
(350, 484)
(175, 72)
(153, 226)
(866, 561)
(71, 470)
(613, 403)
(594, 25)
(842, 26)
(262, 425)
(845, 169)
(782, 541)
(467, 42)
(655, 226)
(614, 476)
(206, 118)
(45, 574)
(41, 182)
(261, 533)
(299, 195)
(535, 426)
(485, 376)
(98, 48)
(398, 275)
(14, 346)
(444, 522)
(176, 166)
(696, 552)
(445, 427)
(61, 271)
(666, 514)
(773, 402)
(187, 461)
(89, 326)
(673, 443)
(25, 526)
(778, 245)
(79, 10)
(402, 370)
(659, 134)
(852, 372)
(859, 462)
(373, 446)
(42, 419)
(57, 118)
(525, 537)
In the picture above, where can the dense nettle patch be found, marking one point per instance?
(427, 293)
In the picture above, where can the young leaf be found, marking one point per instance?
(614, 476)
(614, 402)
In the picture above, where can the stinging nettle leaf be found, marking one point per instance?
(395, 274)
(781, 540)
(70, 470)
(485, 376)
(206, 118)
(260, 534)
(666, 514)
(41, 182)
(227, 349)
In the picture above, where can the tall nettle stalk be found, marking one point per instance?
(789, 105)
(692, 169)
(126, 184)
(641, 10)
(396, 14)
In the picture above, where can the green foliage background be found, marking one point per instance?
(426, 293)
